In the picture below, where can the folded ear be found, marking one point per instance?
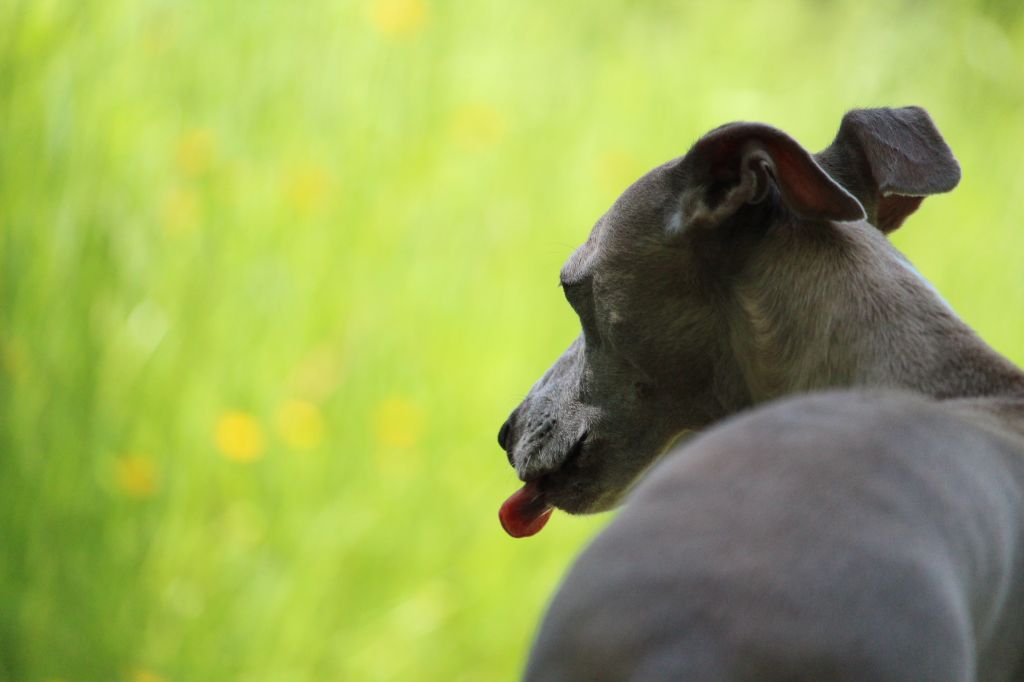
(890, 159)
(739, 163)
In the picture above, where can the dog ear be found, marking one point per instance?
(890, 159)
(737, 164)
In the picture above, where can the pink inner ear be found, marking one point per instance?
(806, 188)
(809, 190)
(894, 209)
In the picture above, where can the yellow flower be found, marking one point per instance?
(301, 424)
(136, 476)
(15, 359)
(143, 675)
(180, 211)
(318, 375)
(398, 423)
(159, 35)
(397, 18)
(195, 152)
(477, 126)
(306, 188)
(239, 436)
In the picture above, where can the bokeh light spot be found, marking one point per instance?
(318, 375)
(239, 436)
(300, 424)
(243, 525)
(195, 152)
(477, 126)
(180, 211)
(143, 675)
(397, 18)
(306, 188)
(14, 359)
(423, 612)
(136, 476)
(398, 423)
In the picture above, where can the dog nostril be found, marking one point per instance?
(503, 435)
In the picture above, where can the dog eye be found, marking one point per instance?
(575, 290)
(565, 292)
(568, 288)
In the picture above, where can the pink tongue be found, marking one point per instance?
(525, 513)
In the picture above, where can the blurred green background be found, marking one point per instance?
(273, 274)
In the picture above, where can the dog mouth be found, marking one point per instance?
(528, 510)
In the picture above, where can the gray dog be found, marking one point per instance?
(861, 535)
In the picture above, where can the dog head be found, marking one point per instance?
(651, 284)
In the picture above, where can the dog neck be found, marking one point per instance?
(840, 307)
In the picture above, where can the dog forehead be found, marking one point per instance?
(580, 261)
(642, 210)
(649, 200)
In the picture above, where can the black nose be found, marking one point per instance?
(503, 434)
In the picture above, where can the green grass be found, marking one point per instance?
(272, 275)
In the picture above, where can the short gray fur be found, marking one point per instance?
(870, 534)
